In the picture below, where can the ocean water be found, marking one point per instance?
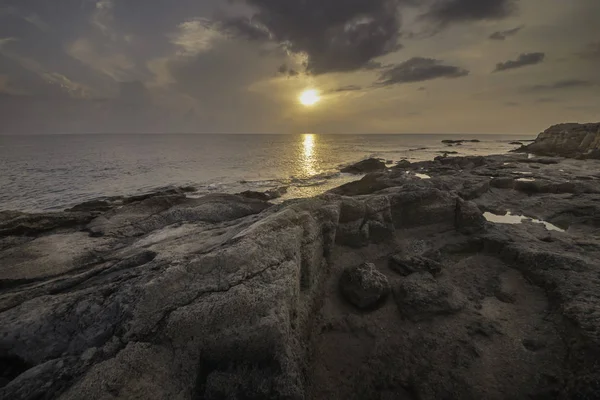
(52, 172)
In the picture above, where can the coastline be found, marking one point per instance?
(167, 296)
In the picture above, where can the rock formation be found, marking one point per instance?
(365, 166)
(226, 297)
(567, 140)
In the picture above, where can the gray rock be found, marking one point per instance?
(421, 296)
(268, 195)
(566, 140)
(406, 264)
(469, 219)
(225, 296)
(502, 183)
(365, 166)
(364, 286)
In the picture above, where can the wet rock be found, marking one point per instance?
(365, 166)
(449, 141)
(406, 264)
(421, 296)
(269, 195)
(364, 286)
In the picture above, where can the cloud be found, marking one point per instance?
(419, 69)
(502, 35)
(348, 88)
(522, 61)
(6, 41)
(335, 35)
(116, 65)
(547, 100)
(196, 36)
(563, 84)
(591, 51)
(285, 70)
(445, 12)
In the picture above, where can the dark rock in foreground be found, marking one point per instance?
(364, 286)
(226, 297)
(365, 166)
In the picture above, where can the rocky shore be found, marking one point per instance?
(396, 286)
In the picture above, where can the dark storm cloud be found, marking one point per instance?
(419, 69)
(446, 12)
(336, 35)
(563, 84)
(502, 35)
(522, 61)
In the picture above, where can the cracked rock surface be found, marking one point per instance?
(228, 297)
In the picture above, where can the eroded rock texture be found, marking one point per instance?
(226, 297)
(568, 140)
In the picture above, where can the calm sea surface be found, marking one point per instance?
(52, 172)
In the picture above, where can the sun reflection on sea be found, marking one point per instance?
(308, 158)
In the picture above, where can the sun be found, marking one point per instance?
(309, 97)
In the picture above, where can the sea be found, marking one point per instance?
(54, 172)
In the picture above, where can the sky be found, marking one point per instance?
(236, 66)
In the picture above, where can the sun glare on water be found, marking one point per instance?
(309, 97)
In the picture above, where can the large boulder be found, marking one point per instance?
(566, 140)
(364, 286)
(365, 166)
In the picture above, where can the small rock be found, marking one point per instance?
(516, 143)
(364, 286)
(420, 296)
(403, 164)
(365, 166)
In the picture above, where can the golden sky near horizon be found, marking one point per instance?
(382, 66)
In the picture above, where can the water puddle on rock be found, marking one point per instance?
(510, 218)
(526, 180)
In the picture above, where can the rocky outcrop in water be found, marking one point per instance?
(390, 287)
(365, 166)
(567, 140)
